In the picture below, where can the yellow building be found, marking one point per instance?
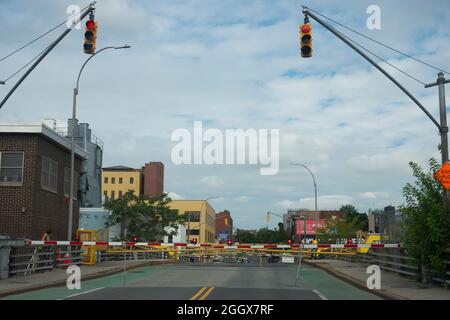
(116, 181)
(200, 221)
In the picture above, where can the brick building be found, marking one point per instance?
(35, 181)
(300, 227)
(117, 180)
(224, 226)
(153, 176)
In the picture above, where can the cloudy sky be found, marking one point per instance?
(235, 64)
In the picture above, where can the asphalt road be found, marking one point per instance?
(210, 282)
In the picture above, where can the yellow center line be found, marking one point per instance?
(198, 293)
(206, 294)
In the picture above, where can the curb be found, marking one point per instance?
(59, 283)
(355, 282)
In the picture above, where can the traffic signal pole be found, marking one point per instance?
(442, 130)
(46, 52)
(441, 81)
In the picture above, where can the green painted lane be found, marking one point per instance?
(118, 279)
(333, 288)
(151, 281)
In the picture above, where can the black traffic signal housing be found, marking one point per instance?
(194, 241)
(290, 242)
(90, 36)
(229, 242)
(135, 239)
(306, 40)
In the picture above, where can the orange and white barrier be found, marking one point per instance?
(213, 245)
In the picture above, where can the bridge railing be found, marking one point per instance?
(397, 261)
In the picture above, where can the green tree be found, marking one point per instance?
(265, 235)
(361, 220)
(142, 216)
(245, 236)
(336, 229)
(426, 229)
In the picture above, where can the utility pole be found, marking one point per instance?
(440, 82)
(308, 12)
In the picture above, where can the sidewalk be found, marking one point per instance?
(58, 276)
(393, 286)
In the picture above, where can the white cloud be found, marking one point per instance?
(213, 181)
(235, 64)
(175, 196)
(242, 199)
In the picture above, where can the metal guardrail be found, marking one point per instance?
(26, 260)
(394, 261)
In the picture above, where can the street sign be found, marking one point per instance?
(443, 175)
(287, 259)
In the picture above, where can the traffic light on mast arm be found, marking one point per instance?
(90, 36)
(306, 40)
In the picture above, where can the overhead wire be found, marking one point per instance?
(380, 58)
(43, 35)
(379, 42)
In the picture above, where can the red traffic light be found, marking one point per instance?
(305, 28)
(289, 241)
(229, 242)
(135, 239)
(194, 241)
(90, 25)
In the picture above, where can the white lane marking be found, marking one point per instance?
(80, 293)
(320, 294)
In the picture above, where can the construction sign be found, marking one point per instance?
(443, 175)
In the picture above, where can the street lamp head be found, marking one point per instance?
(123, 47)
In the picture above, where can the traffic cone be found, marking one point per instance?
(67, 259)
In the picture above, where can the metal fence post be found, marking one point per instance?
(4, 260)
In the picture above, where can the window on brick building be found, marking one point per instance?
(120, 195)
(113, 180)
(105, 180)
(113, 195)
(105, 193)
(11, 167)
(120, 180)
(131, 180)
(67, 183)
(49, 174)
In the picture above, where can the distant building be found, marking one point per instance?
(91, 168)
(117, 180)
(224, 226)
(95, 219)
(179, 237)
(200, 220)
(35, 181)
(153, 176)
(385, 222)
(296, 226)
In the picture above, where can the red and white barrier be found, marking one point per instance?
(212, 245)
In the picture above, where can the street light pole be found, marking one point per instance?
(315, 194)
(72, 139)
